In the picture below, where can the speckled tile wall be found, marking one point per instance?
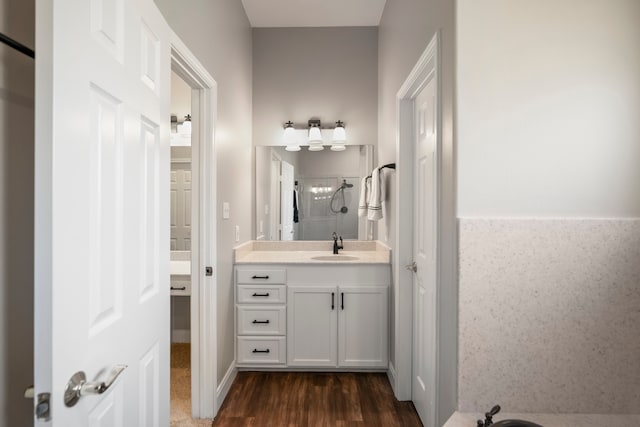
(549, 315)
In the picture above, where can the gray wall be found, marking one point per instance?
(16, 214)
(329, 163)
(180, 97)
(406, 28)
(548, 135)
(325, 73)
(218, 33)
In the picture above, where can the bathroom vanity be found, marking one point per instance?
(180, 270)
(300, 307)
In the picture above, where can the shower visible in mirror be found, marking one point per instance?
(340, 198)
(325, 188)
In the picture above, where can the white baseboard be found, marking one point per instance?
(225, 384)
(181, 336)
(393, 378)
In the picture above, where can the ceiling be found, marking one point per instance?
(314, 13)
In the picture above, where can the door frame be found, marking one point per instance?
(275, 228)
(205, 400)
(401, 373)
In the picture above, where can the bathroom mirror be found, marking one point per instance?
(307, 195)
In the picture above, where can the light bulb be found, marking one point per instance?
(315, 136)
(339, 134)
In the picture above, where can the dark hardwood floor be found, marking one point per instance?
(301, 399)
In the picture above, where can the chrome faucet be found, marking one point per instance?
(337, 246)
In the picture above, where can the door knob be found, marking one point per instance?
(78, 385)
(412, 267)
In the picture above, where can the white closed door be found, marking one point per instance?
(286, 197)
(102, 213)
(425, 251)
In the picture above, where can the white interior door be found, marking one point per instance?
(102, 210)
(180, 206)
(425, 251)
(286, 197)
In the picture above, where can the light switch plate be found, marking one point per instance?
(237, 233)
(225, 210)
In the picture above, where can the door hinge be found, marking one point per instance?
(208, 271)
(412, 267)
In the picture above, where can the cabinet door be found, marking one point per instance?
(312, 326)
(363, 326)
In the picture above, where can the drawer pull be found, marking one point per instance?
(342, 303)
(182, 288)
(333, 296)
(255, 294)
(266, 322)
(260, 277)
(255, 350)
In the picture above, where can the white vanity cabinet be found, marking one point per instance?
(260, 316)
(312, 326)
(337, 326)
(363, 327)
(336, 316)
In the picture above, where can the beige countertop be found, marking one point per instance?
(307, 252)
(465, 419)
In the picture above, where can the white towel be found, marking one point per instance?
(363, 203)
(376, 195)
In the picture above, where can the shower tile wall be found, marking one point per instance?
(549, 315)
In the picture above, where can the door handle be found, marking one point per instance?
(412, 267)
(78, 385)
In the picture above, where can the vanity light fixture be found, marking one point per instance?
(339, 134)
(339, 137)
(315, 136)
(185, 128)
(290, 137)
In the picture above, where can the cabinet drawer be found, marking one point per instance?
(247, 294)
(261, 276)
(264, 320)
(261, 351)
(180, 285)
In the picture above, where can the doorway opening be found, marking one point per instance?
(413, 375)
(194, 311)
(180, 213)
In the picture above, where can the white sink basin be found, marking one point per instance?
(335, 258)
